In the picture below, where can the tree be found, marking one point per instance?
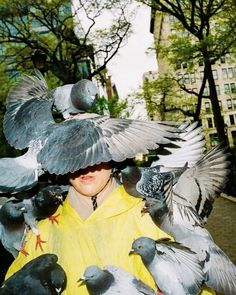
(55, 28)
(212, 35)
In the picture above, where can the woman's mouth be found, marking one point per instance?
(86, 178)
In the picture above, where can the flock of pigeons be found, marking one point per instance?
(178, 190)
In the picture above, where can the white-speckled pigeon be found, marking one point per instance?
(41, 276)
(12, 227)
(113, 280)
(177, 213)
(80, 141)
(146, 181)
(175, 268)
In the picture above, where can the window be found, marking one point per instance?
(230, 73)
(207, 107)
(234, 102)
(222, 59)
(226, 88)
(215, 74)
(218, 89)
(192, 77)
(186, 78)
(220, 103)
(206, 91)
(232, 87)
(201, 75)
(231, 118)
(209, 122)
(214, 139)
(229, 104)
(224, 73)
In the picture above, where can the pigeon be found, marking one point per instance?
(42, 205)
(12, 227)
(174, 268)
(178, 213)
(80, 141)
(41, 276)
(146, 181)
(113, 280)
(75, 98)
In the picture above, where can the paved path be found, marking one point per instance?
(222, 225)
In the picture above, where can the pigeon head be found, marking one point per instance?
(12, 212)
(96, 279)
(83, 94)
(58, 279)
(145, 247)
(130, 176)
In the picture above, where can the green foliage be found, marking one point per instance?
(113, 106)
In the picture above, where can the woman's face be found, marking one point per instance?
(90, 181)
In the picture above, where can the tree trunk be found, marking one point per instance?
(218, 119)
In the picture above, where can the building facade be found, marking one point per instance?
(224, 73)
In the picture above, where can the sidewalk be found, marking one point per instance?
(222, 225)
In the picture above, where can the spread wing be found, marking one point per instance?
(28, 112)
(77, 143)
(198, 186)
(190, 149)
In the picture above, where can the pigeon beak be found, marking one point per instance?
(144, 210)
(23, 209)
(58, 290)
(81, 281)
(131, 251)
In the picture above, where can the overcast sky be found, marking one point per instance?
(131, 62)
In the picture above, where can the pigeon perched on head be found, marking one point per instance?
(113, 280)
(42, 205)
(41, 276)
(76, 143)
(12, 227)
(181, 211)
(75, 98)
(175, 268)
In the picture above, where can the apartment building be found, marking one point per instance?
(224, 73)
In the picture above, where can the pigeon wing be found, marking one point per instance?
(19, 174)
(191, 148)
(28, 111)
(73, 145)
(198, 186)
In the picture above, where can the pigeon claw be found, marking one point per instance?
(39, 243)
(53, 218)
(23, 250)
(159, 292)
(144, 211)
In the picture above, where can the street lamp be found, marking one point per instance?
(39, 60)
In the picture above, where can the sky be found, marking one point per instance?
(128, 66)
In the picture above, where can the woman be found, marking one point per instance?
(96, 225)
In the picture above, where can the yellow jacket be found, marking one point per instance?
(105, 237)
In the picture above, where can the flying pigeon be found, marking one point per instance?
(41, 276)
(75, 143)
(113, 280)
(178, 213)
(146, 181)
(175, 268)
(12, 227)
(42, 205)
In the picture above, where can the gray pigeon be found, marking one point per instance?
(113, 280)
(42, 205)
(175, 268)
(177, 213)
(12, 227)
(80, 141)
(75, 98)
(41, 276)
(147, 181)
